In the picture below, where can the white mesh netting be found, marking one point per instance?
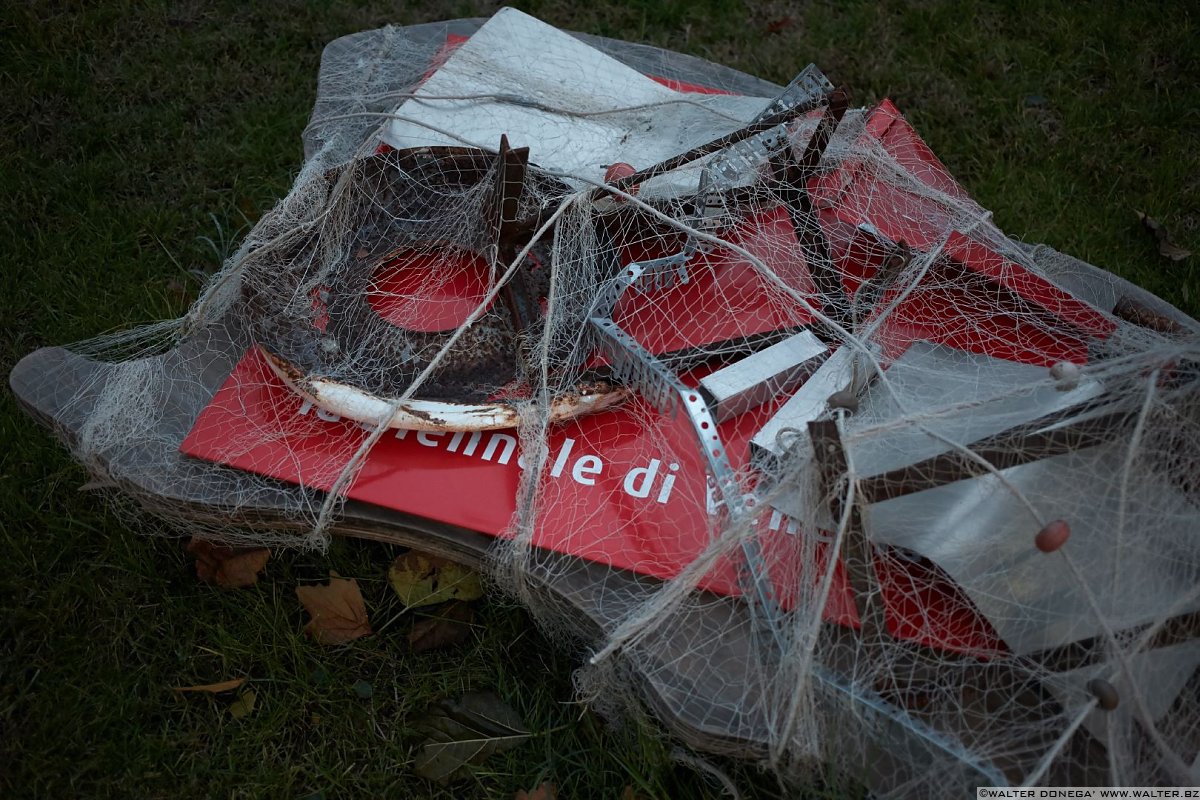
(743, 390)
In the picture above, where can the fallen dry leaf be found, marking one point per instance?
(451, 625)
(228, 567)
(1166, 246)
(544, 791)
(459, 733)
(244, 705)
(213, 688)
(337, 610)
(1169, 249)
(424, 580)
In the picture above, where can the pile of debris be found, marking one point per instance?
(733, 381)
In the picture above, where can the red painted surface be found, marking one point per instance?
(627, 487)
(624, 487)
(428, 292)
(725, 297)
(972, 298)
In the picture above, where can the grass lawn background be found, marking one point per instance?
(138, 140)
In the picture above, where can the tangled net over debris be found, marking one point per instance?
(730, 383)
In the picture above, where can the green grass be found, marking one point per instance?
(137, 140)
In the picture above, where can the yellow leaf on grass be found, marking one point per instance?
(244, 705)
(424, 580)
(213, 688)
(337, 610)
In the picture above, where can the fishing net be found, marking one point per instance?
(749, 399)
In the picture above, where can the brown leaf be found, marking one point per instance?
(179, 290)
(1148, 222)
(1167, 248)
(451, 625)
(781, 24)
(544, 791)
(213, 688)
(337, 610)
(630, 794)
(228, 567)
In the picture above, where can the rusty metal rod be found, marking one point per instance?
(856, 552)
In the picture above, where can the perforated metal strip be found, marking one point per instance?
(641, 371)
